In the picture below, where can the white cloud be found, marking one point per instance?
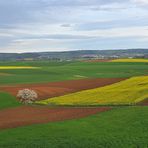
(31, 25)
(56, 44)
(6, 35)
(141, 2)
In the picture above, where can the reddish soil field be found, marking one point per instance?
(144, 102)
(28, 115)
(53, 89)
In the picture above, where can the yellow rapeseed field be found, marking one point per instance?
(17, 67)
(126, 92)
(130, 60)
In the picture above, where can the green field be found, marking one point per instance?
(7, 101)
(119, 128)
(59, 71)
(127, 92)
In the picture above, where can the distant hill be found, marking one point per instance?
(79, 54)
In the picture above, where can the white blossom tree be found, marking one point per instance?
(27, 96)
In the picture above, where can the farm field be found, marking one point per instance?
(52, 89)
(17, 67)
(29, 115)
(130, 91)
(80, 104)
(131, 60)
(60, 71)
(121, 127)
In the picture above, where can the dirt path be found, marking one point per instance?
(53, 89)
(28, 115)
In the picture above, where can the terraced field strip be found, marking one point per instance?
(17, 67)
(127, 92)
(130, 60)
(28, 115)
(53, 89)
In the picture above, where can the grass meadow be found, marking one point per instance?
(59, 71)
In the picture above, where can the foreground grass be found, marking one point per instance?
(119, 128)
(126, 92)
(7, 101)
(59, 71)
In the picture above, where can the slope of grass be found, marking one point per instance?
(59, 71)
(7, 101)
(119, 128)
(129, 91)
(130, 60)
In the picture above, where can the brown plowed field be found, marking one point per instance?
(28, 115)
(144, 102)
(53, 89)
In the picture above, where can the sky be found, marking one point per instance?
(63, 25)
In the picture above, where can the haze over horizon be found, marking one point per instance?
(54, 25)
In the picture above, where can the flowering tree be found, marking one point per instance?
(27, 96)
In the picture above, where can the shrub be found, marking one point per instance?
(27, 96)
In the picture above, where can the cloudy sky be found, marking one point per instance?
(57, 25)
